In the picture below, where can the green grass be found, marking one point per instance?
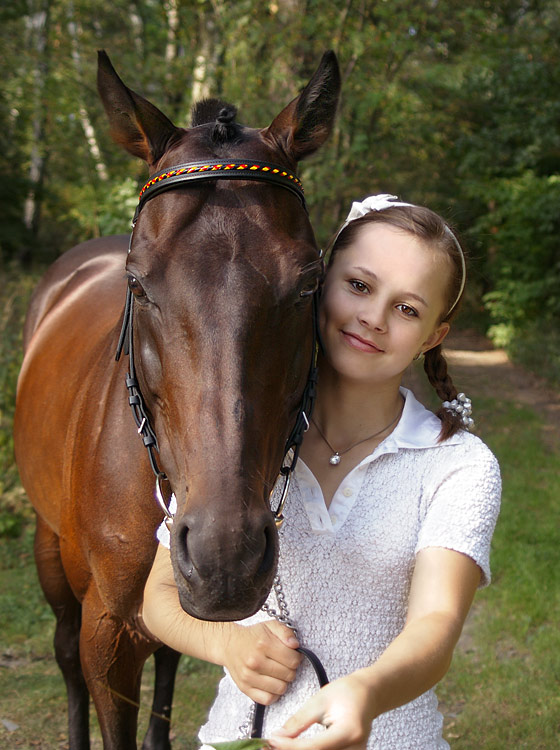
(503, 689)
(507, 681)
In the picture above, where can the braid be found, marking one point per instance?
(435, 367)
(225, 128)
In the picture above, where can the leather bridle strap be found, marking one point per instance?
(176, 177)
(304, 415)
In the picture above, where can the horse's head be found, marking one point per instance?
(222, 274)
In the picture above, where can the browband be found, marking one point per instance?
(205, 170)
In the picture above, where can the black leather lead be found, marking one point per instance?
(258, 718)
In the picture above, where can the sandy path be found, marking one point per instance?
(480, 370)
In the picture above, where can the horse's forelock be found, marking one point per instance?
(222, 114)
(207, 110)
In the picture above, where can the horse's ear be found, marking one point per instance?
(305, 124)
(136, 124)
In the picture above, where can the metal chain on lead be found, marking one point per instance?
(246, 727)
(283, 616)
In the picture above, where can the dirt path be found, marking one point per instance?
(480, 370)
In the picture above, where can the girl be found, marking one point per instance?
(388, 520)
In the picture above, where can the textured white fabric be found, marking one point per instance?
(346, 570)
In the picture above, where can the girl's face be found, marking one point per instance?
(382, 299)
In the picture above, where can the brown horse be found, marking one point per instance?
(221, 274)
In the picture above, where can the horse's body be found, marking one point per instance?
(220, 274)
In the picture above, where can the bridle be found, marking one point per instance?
(179, 176)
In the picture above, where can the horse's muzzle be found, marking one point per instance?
(224, 568)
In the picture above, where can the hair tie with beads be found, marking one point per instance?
(462, 408)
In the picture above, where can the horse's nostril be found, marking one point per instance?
(269, 556)
(183, 557)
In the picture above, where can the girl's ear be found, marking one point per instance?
(436, 337)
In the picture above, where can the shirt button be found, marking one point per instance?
(334, 519)
(347, 492)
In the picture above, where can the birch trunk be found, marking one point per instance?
(206, 61)
(37, 31)
(89, 131)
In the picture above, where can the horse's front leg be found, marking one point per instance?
(157, 736)
(112, 657)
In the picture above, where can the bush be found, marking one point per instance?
(15, 291)
(523, 230)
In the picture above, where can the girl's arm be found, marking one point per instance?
(442, 589)
(260, 658)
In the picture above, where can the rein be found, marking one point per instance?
(179, 176)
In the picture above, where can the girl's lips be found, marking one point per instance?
(356, 342)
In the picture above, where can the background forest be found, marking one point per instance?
(449, 103)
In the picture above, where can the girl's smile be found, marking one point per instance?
(358, 342)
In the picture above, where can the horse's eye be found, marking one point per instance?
(136, 287)
(309, 288)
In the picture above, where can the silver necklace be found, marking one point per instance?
(334, 460)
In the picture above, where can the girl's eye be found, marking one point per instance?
(359, 286)
(407, 310)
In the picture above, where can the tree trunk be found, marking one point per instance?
(38, 29)
(206, 60)
(172, 13)
(89, 131)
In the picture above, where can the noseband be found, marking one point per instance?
(179, 176)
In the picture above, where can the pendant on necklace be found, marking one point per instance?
(334, 460)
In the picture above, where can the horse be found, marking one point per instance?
(220, 272)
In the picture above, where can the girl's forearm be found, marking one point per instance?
(413, 663)
(165, 619)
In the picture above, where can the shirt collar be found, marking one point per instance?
(417, 427)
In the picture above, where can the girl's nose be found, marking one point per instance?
(374, 316)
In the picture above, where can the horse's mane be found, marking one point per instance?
(223, 114)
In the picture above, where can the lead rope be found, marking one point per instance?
(282, 614)
(253, 726)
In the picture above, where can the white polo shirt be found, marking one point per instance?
(346, 569)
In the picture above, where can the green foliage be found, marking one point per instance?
(239, 745)
(524, 225)
(448, 104)
(15, 291)
(105, 211)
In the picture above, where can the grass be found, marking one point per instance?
(506, 681)
(503, 689)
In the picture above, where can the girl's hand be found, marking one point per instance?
(262, 660)
(344, 707)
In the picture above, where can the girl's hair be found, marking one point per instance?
(433, 231)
